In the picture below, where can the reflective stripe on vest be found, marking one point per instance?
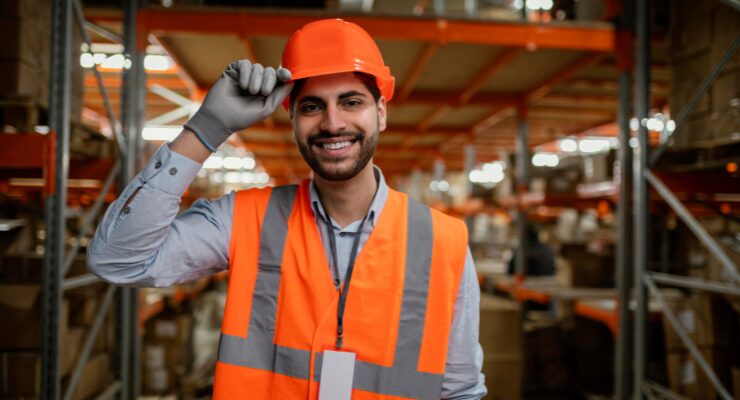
(258, 350)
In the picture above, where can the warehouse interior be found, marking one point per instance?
(590, 146)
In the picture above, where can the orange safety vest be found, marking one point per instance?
(281, 308)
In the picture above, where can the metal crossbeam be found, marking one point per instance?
(695, 283)
(663, 391)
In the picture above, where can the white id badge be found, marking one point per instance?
(337, 372)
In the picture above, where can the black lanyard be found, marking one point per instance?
(344, 289)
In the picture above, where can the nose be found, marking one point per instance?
(332, 120)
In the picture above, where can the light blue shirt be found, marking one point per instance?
(147, 244)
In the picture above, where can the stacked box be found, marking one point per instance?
(166, 352)
(700, 34)
(25, 63)
(20, 339)
(712, 325)
(501, 340)
(25, 26)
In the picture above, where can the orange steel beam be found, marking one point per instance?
(416, 70)
(597, 37)
(494, 118)
(114, 82)
(542, 89)
(545, 87)
(498, 63)
(182, 73)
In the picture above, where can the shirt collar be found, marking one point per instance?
(375, 207)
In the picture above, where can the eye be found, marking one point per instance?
(353, 102)
(308, 108)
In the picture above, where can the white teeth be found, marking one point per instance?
(336, 146)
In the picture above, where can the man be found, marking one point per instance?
(339, 284)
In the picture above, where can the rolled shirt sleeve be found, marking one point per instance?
(145, 242)
(463, 378)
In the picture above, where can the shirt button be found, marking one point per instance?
(126, 210)
(173, 171)
(342, 234)
(158, 164)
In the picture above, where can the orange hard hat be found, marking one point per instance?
(330, 46)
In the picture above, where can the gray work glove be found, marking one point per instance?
(245, 94)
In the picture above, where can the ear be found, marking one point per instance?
(382, 114)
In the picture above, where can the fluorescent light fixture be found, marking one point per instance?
(568, 145)
(490, 175)
(42, 129)
(154, 62)
(232, 163)
(87, 60)
(670, 126)
(248, 177)
(161, 132)
(116, 61)
(545, 160)
(262, 178)
(248, 163)
(213, 162)
(539, 4)
(593, 145)
(232, 177)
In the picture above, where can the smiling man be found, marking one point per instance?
(339, 287)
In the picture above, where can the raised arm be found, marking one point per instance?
(141, 240)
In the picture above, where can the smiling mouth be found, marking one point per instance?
(336, 145)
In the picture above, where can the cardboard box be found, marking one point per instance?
(691, 30)
(96, 376)
(695, 313)
(503, 377)
(36, 12)
(173, 356)
(25, 42)
(20, 305)
(71, 349)
(170, 327)
(686, 378)
(23, 79)
(28, 268)
(500, 327)
(157, 381)
(20, 374)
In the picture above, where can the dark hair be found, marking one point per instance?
(366, 79)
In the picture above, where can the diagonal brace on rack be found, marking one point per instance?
(729, 267)
(185, 109)
(681, 332)
(90, 341)
(77, 7)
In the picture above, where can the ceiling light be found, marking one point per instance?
(160, 132)
(568, 145)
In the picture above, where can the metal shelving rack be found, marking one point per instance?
(630, 374)
(68, 15)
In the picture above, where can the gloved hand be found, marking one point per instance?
(245, 94)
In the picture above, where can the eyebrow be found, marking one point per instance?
(319, 100)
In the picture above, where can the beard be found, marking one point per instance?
(329, 168)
